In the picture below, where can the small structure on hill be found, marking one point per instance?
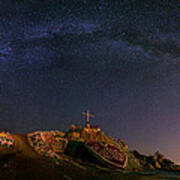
(88, 126)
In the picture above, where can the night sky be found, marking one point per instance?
(121, 60)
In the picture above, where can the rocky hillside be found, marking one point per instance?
(80, 151)
(154, 162)
(134, 160)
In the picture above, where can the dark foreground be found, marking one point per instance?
(23, 163)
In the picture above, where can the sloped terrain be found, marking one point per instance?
(156, 161)
(22, 162)
(78, 161)
(99, 145)
(115, 152)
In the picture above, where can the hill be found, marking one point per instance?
(33, 156)
(134, 161)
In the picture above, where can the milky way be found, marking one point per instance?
(120, 60)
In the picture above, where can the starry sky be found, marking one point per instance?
(120, 59)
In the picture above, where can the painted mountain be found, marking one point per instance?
(79, 153)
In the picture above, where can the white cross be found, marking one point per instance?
(88, 115)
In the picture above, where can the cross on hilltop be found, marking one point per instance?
(88, 116)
